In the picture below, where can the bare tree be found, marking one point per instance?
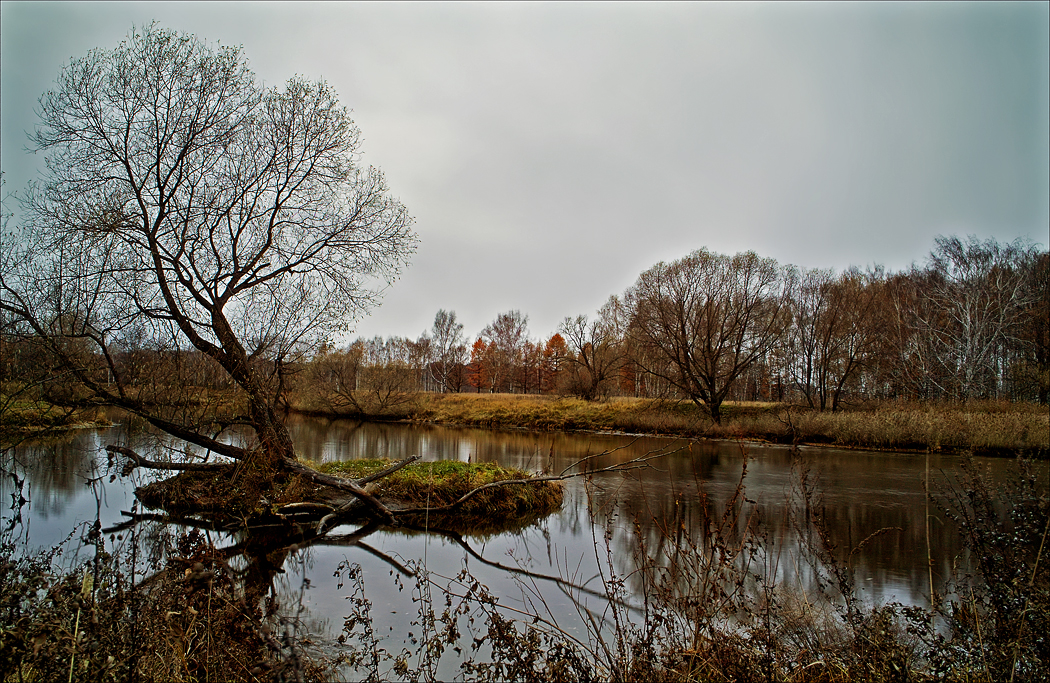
(449, 349)
(1030, 336)
(371, 378)
(185, 200)
(506, 337)
(530, 368)
(972, 296)
(701, 321)
(834, 330)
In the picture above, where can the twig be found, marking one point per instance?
(344, 484)
(929, 553)
(1028, 600)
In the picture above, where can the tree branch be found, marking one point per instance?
(348, 485)
(157, 465)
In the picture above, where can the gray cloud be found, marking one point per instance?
(551, 153)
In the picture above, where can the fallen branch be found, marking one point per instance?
(368, 479)
(140, 461)
(348, 485)
(354, 504)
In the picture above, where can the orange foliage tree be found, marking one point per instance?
(477, 370)
(555, 352)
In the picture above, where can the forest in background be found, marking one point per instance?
(970, 323)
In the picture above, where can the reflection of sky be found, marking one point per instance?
(68, 480)
(862, 492)
(67, 484)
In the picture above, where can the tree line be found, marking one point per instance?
(970, 323)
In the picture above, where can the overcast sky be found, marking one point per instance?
(552, 152)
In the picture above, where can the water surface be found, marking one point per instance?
(873, 504)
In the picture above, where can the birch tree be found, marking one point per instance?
(973, 294)
(449, 350)
(506, 337)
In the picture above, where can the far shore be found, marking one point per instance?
(989, 428)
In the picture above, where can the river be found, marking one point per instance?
(873, 504)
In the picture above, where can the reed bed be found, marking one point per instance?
(989, 428)
(904, 427)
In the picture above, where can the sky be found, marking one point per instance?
(551, 153)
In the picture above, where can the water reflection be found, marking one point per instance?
(873, 504)
(56, 471)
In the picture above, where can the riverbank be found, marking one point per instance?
(980, 428)
(21, 419)
(990, 428)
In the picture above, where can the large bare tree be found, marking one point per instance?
(701, 321)
(189, 207)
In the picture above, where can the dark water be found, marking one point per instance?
(873, 503)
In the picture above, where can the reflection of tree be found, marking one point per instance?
(668, 516)
(261, 545)
(670, 490)
(54, 470)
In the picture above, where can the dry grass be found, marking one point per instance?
(987, 429)
(192, 621)
(991, 428)
(222, 496)
(557, 413)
